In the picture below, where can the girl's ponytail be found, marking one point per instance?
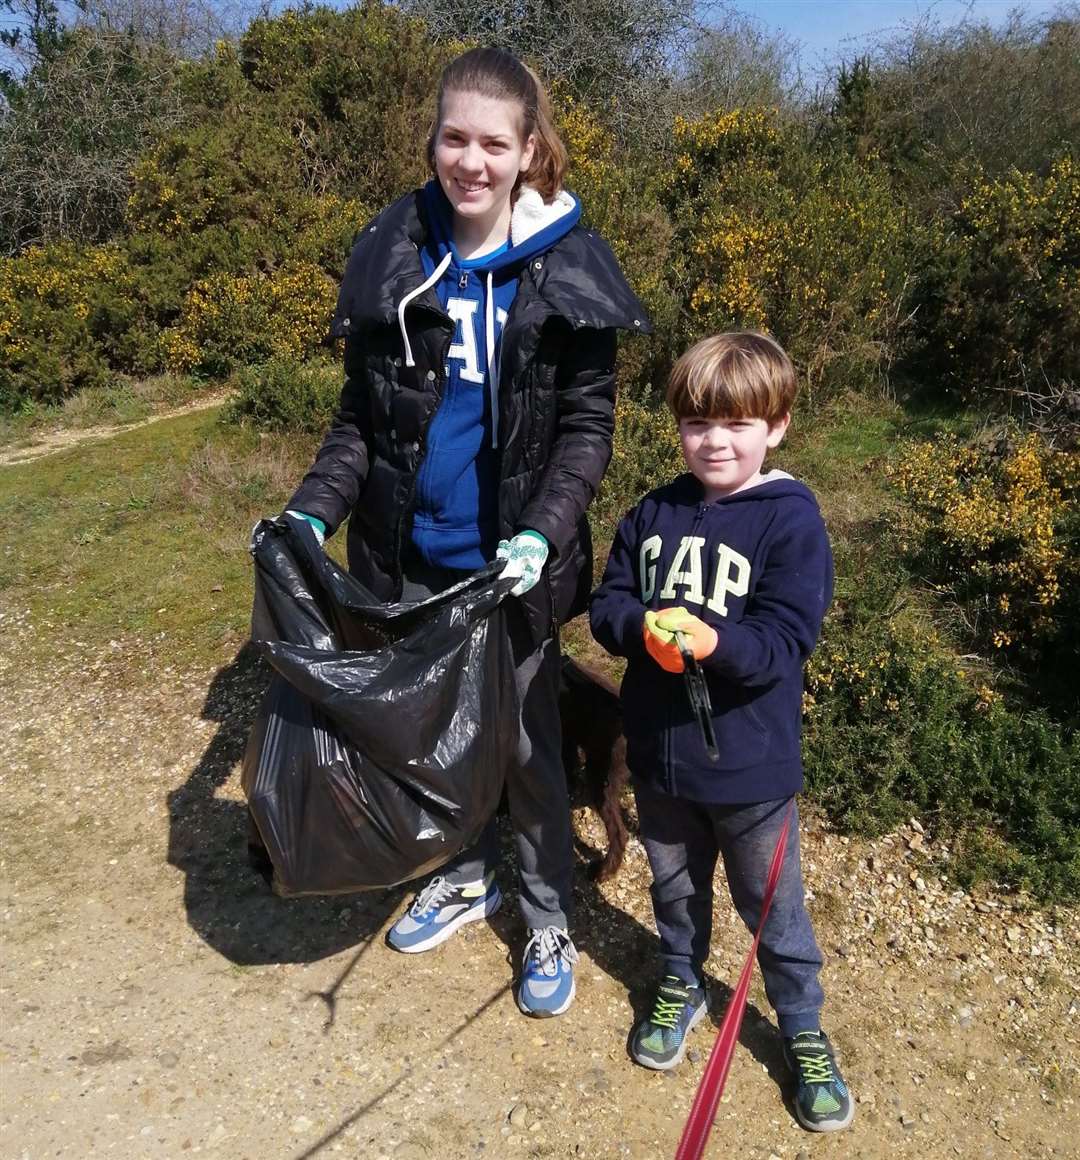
(548, 167)
(491, 72)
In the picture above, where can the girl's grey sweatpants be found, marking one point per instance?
(683, 839)
(536, 789)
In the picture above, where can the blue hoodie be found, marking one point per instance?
(757, 567)
(455, 524)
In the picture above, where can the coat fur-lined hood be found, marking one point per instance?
(578, 277)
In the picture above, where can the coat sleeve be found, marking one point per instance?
(616, 613)
(585, 402)
(782, 620)
(334, 482)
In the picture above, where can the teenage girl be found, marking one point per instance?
(476, 422)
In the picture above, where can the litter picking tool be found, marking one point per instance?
(698, 691)
(699, 1123)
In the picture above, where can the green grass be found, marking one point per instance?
(144, 534)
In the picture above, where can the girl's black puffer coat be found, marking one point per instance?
(556, 404)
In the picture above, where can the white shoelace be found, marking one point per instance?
(436, 891)
(549, 944)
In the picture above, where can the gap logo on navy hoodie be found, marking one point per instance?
(756, 565)
(455, 521)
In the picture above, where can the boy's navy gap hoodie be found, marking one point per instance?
(455, 524)
(755, 565)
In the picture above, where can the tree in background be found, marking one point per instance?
(86, 89)
(38, 34)
(642, 62)
(939, 104)
(186, 28)
(731, 62)
(71, 133)
(596, 48)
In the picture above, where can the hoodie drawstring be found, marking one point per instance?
(489, 335)
(492, 365)
(440, 269)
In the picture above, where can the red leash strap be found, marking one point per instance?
(699, 1123)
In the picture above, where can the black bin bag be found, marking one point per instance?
(379, 749)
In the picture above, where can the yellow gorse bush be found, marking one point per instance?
(646, 455)
(228, 319)
(60, 306)
(993, 528)
(772, 237)
(875, 674)
(615, 202)
(60, 276)
(1002, 302)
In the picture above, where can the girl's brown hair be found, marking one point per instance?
(490, 72)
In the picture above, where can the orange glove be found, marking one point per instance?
(661, 646)
(659, 633)
(701, 637)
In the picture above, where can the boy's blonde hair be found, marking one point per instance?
(739, 375)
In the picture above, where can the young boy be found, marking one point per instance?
(738, 561)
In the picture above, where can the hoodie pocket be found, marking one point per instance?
(753, 715)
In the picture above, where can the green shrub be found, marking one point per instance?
(995, 529)
(68, 318)
(935, 101)
(894, 727)
(229, 321)
(646, 455)
(1000, 296)
(774, 233)
(229, 200)
(620, 199)
(284, 394)
(358, 88)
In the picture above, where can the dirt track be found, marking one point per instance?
(61, 439)
(157, 1001)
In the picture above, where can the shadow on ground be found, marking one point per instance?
(227, 903)
(628, 952)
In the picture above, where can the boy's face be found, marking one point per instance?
(727, 454)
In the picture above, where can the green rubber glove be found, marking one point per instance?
(525, 556)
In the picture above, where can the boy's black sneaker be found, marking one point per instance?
(659, 1040)
(822, 1100)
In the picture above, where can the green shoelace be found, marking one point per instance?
(666, 1014)
(815, 1067)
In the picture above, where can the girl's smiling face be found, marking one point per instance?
(727, 454)
(479, 156)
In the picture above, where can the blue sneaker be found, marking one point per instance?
(822, 1100)
(659, 1040)
(440, 909)
(547, 973)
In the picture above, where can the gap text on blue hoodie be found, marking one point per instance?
(755, 565)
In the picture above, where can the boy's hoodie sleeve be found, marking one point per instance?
(616, 614)
(782, 621)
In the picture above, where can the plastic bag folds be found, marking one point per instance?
(379, 749)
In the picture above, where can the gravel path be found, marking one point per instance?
(158, 1002)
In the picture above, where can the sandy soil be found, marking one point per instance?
(158, 1001)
